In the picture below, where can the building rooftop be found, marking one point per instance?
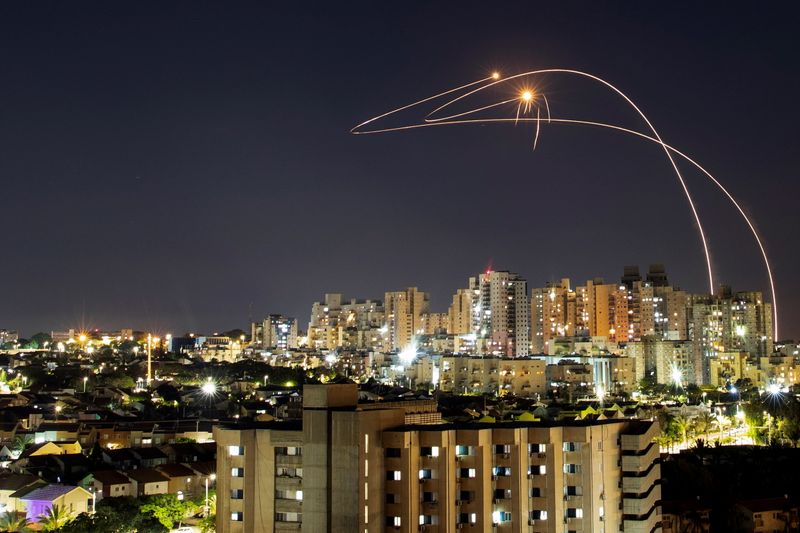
(146, 475)
(17, 481)
(110, 477)
(48, 493)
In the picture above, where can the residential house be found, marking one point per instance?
(74, 500)
(11, 483)
(109, 484)
(182, 479)
(148, 481)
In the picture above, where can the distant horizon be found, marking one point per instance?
(643, 270)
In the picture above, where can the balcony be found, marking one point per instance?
(635, 443)
(288, 482)
(287, 527)
(289, 460)
(641, 506)
(637, 485)
(640, 463)
(288, 506)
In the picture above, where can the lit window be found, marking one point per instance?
(537, 470)
(538, 515)
(236, 450)
(237, 516)
(237, 472)
(393, 475)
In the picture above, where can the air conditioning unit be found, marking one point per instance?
(541, 456)
(506, 455)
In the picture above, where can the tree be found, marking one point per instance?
(682, 425)
(41, 339)
(55, 518)
(703, 423)
(115, 515)
(119, 380)
(11, 522)
(21, 442)
(167, 509)
(209, 522)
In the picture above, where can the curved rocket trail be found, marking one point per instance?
(525, 102)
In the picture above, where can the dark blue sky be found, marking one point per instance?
(179, 166)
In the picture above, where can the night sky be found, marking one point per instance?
(184, 166)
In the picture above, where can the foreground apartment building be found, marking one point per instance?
(348, 469)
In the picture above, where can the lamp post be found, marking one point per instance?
(207, 506)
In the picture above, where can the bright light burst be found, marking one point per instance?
(209, 388)
(408, 354)
(526, 101)
(676, 375)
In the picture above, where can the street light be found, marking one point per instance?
(208, 507)
(209, 387)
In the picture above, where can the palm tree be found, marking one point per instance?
(55, 518)
(11, 522)
(21, 442)
(722, 422)
(682, 424)
(703, 423)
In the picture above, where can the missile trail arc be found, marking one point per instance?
(630, 102)
(655, 138)
(418, 102)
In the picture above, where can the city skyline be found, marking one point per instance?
(252, 209)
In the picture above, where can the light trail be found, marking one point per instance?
(526, 98)
(494, 76)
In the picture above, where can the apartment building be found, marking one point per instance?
(346, 469)
(520, 376)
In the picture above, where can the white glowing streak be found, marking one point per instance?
(517, 117)
(538, 122)
(630, 102)
(547, 107)
(403, 108)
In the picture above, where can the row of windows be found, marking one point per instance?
(472, 518)
(463, 450)
(467, 496)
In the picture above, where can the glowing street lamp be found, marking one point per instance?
(209, 388)
(85, 379)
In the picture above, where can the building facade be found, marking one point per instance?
(347, 469)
